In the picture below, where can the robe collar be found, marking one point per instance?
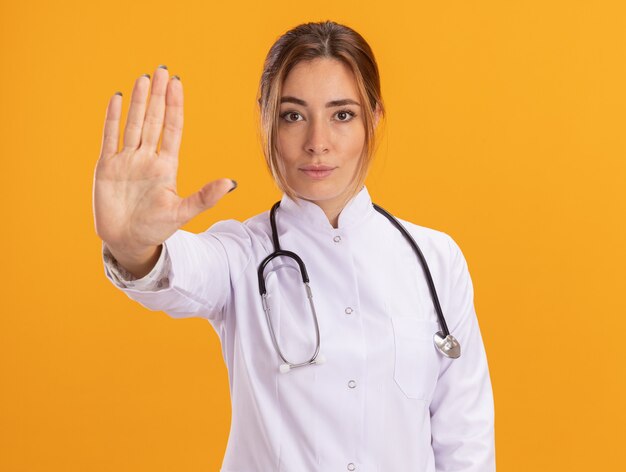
(309, 213)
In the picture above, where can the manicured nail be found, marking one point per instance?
(234, 185)
(175, 77)
(163, 67)
(146, 75)
(118, 93)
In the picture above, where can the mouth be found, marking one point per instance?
(317, 172)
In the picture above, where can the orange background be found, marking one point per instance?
(505, 130)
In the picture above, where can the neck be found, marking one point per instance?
(331, 211)
(332, 208)
(333, 217)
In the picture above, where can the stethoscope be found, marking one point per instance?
(444, 341)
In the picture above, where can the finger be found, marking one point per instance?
(204, 198)
(173, 127)
(153, 122)
(136, 113)
(111, 133)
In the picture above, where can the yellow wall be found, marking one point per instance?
(506, 130)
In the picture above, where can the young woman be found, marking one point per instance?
(330, 345)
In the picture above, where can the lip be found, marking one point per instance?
(317, 172)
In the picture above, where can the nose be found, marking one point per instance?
(318, 137)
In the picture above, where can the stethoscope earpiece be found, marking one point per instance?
(286, 367)
(320, 359)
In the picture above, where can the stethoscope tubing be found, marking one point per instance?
(429, 278)
(263, 292)
(444, 341)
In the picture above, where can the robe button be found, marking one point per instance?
(352, 384)
(349, 310)
(351, 466)
(337, 239)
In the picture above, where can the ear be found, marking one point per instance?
(377, 114)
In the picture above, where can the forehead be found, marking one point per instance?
(321, 79)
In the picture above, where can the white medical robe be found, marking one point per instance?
(385, 400)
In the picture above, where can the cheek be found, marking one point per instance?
(286, 143)
(350, 135)
(354, 142)
(286, 156)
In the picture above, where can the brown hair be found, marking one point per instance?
(306, 42)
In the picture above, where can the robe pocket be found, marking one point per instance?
(416, 366)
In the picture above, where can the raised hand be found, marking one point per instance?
(135, 203)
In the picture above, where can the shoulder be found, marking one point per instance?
(449, 270)
(259, 223)
(433, 241)
(438, 247)
(432, 235)
(248, 233)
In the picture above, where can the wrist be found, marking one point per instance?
(138, 262)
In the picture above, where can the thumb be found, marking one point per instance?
(205, 198)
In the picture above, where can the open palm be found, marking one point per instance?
(135, 202)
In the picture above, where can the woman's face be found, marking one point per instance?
(320, 127)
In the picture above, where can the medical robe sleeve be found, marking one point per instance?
(200, 272)
(157, 278)
(462, 409)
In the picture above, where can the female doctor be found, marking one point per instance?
(332, 357)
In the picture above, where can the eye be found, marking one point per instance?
(343, 113)
(289, 114)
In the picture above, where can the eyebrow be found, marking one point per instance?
(333, 103)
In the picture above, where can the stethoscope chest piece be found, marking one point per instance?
(444, 341)
(447, 345)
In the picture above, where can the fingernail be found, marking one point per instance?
(175, 77)
(163, 67)
(146, 75)
(234, 185)
(118, 93)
